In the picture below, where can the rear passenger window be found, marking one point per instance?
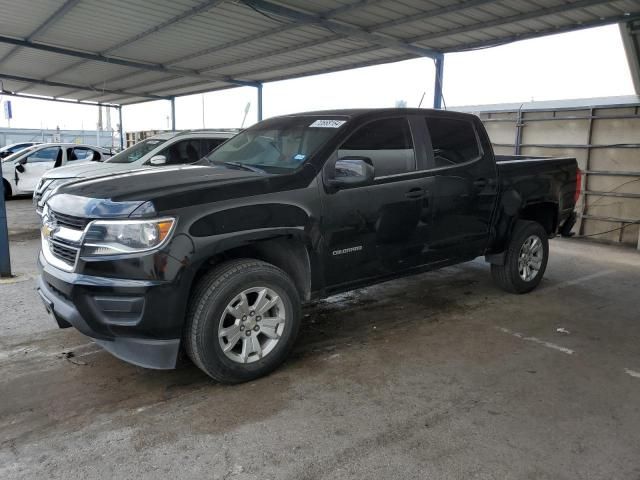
(454, 141)
(387, 143)
(182, 152)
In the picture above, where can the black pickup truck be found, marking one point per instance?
(217, 258)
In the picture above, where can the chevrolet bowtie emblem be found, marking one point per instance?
(47, 230)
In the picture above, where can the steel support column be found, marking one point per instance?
(259, 87)
(173, 112)
(437, 91)
(120, 128)
(5, 260)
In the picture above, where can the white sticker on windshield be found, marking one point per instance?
(328, 123)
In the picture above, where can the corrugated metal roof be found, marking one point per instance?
(127, 51)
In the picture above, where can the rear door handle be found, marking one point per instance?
(415, 193)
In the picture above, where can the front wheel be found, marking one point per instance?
(525, 260)
(243, 320)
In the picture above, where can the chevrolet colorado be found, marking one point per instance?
(217, 259)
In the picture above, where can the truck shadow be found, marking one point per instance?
(50, 391)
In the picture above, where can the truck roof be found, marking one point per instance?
(357, 112)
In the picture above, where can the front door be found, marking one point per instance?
(35, 166)
(379, 229)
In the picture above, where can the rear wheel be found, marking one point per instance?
(525, 260)
(243, 320)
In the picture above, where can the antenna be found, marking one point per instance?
(421, 99)
(246, 110)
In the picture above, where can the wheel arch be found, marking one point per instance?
(544, 213)
(290, 253)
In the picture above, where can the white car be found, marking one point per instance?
(171, 148)
(21, 171)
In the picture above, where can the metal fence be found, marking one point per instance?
(90, 137)
(605, 139)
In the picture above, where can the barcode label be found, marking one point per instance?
(328, 123)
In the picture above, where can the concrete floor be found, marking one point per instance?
(440, 375)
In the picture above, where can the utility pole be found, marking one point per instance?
(99, 125)
(203, 110)
(5, 259)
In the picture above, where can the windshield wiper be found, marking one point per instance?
(244, 166)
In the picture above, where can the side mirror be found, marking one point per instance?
(158, 160)
(20, 167)
(352, 172)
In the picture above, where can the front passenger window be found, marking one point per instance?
(386, 142)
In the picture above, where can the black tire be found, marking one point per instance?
(7, 189)
(507, 276)
(208, 302)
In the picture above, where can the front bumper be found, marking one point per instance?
(137, 321)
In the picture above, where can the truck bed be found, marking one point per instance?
(541, 180)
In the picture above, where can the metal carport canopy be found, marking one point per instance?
(120, 52)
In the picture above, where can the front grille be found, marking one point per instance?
(63, 252)
(69, 221)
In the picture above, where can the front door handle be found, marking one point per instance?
(415, 193)
(480, 183)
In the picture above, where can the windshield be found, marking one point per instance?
(278, 145)
(136, 152)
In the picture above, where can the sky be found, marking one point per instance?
(582, 64)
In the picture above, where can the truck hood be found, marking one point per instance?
(161, 189)
(88, 169)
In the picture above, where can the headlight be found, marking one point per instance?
(118, 237)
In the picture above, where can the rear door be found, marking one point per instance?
(465, 186)
(379, 229)
(36, 165)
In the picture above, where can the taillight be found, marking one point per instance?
(578, 185)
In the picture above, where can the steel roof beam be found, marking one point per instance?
(152, 67)
(435, 12)
(301, 17)
(274, 31)
(329, 14)
(187, 14)
(467, 28)
(258, 36)
(520, 17)
(57, 15)
(62, 100)
(542, 33)
(79, 87)
(631, 41)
